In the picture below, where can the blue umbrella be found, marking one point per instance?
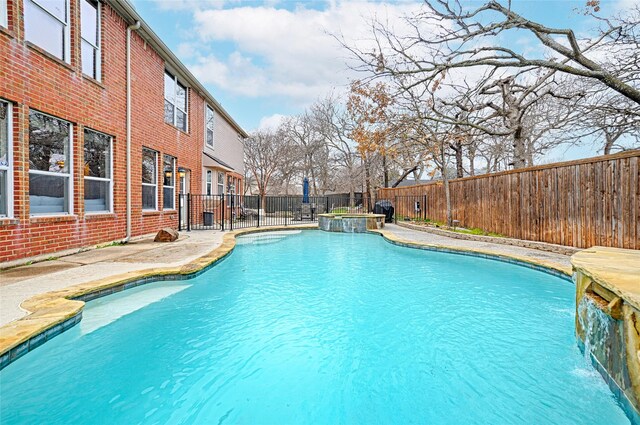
(305, 191)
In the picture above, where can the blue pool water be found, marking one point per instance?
(320, 328)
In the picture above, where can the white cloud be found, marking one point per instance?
(281, 52)
(271, 121)
(626, 4)
(187, 50)
(236, 73)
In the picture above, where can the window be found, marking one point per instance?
(6, 163)
(49, 165)
(90, 34)
(149, 179)
(3, 13)
(209, 181)
(97, 172)
(209, 125)
(175, 102)
(169, 183)
(46, 24)
(220, 183)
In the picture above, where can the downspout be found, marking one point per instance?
(129, 29)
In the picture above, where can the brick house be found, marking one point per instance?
(76, 78)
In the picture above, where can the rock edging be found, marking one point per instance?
(540, 246)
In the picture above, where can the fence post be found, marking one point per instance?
(259, 205)
(424, 207)
(326, 198)
(222, 212)
(395, 211)
(286, 211)
(188, 212)
(231, 196)
(180, 212)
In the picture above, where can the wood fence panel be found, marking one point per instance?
(582, 203)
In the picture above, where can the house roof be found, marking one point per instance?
(128, 12)
(216, 162)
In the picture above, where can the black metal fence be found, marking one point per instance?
(228, 212)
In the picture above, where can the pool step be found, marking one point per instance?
(260, 240)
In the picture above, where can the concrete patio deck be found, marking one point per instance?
(21, 283)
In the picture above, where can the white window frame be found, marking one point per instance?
(98, 64)
(176, 82)
(220, 184)
(206, 127)
(66, 54)
(154, 185)
(4, 14)
(174, 160)
(209, 183)
(103, 179)
(68, 175)
(9, 167)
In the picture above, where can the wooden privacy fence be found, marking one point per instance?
(582, 203)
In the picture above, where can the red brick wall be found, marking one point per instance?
(32, 79)
(149, 130)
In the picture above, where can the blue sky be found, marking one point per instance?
(266, 59)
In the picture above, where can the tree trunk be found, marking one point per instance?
(514, 119)
(416, 175)
(385, 170)
(447, 195)
(367, 182)
(263, 201)
(314, 186)
(447, 192)
(519, 149)
(610, 140)
(608, 144)
(352, 196)
(458, 150)
(286, 186)
(471, 152)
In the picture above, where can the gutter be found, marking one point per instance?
(130, 28)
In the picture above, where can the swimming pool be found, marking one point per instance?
(315, 327)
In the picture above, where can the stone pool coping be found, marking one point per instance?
(52, 313)
(550, 267)
(615, 269)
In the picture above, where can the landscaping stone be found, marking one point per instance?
(166, 235)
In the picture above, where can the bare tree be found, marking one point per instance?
(447, 36)
(265, 153)
(302, 132)
(332, 121)
(608, 118)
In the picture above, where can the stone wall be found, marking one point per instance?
(354, 223)
(608, 315)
